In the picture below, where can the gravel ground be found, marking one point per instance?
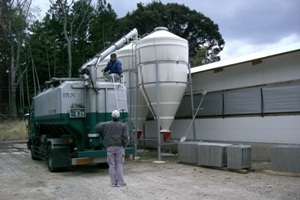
(23, 178)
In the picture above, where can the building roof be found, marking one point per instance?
(247, 58)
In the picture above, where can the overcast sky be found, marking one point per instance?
(246, 26)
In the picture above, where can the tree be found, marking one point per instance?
(72, 17)
(69, 34)
(200, 31)
(47, 47)
(103, 29)
(13, 23)
(4, 69)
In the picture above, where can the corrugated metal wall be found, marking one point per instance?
(269, 129)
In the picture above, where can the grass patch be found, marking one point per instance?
(11, 130)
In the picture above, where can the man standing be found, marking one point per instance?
(113, 68)
(115, 139)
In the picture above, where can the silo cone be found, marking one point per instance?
(162, 60)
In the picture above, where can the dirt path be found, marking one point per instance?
(23, 178)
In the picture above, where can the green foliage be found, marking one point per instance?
(46, 48)
(48, 42)
(103, 30)
(80, 47)
(13, 24)
(200, 31)
(102, 27)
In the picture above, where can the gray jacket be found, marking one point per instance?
(114, 133)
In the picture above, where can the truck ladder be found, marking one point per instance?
(120, 98)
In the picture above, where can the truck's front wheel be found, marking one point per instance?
(50, 159)
(33, 154)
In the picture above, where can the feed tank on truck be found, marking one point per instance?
(127, 57)
(72, 101)
(162, 60)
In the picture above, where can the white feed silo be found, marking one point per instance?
(126, 55)
(162, 60)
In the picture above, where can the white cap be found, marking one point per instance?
(115, 114)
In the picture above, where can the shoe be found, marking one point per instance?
(113, 185)
(121, 185)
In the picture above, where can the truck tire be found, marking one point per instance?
(50, 159)
(33, 155)
(103, 165)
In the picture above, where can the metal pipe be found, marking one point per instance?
(194, 117)
(192, 100)
(136, 106)
(158, 112)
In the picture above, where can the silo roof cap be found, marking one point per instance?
(161, 28)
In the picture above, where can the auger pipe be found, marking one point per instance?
(94, 62)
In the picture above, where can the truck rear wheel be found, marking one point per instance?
(50, 159)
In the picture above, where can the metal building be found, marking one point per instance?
(253, 99)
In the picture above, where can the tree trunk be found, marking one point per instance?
(48, 62)
(28, 92)
(69, 58)
(13, 86)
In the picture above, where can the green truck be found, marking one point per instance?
(63, 118)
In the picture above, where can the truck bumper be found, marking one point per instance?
(97, 156)
(86, 161)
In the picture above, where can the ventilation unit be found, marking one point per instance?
(285, 158)
(239, 156)
(212, 154)
(219, 155)
(204, 154)
(188, 152)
